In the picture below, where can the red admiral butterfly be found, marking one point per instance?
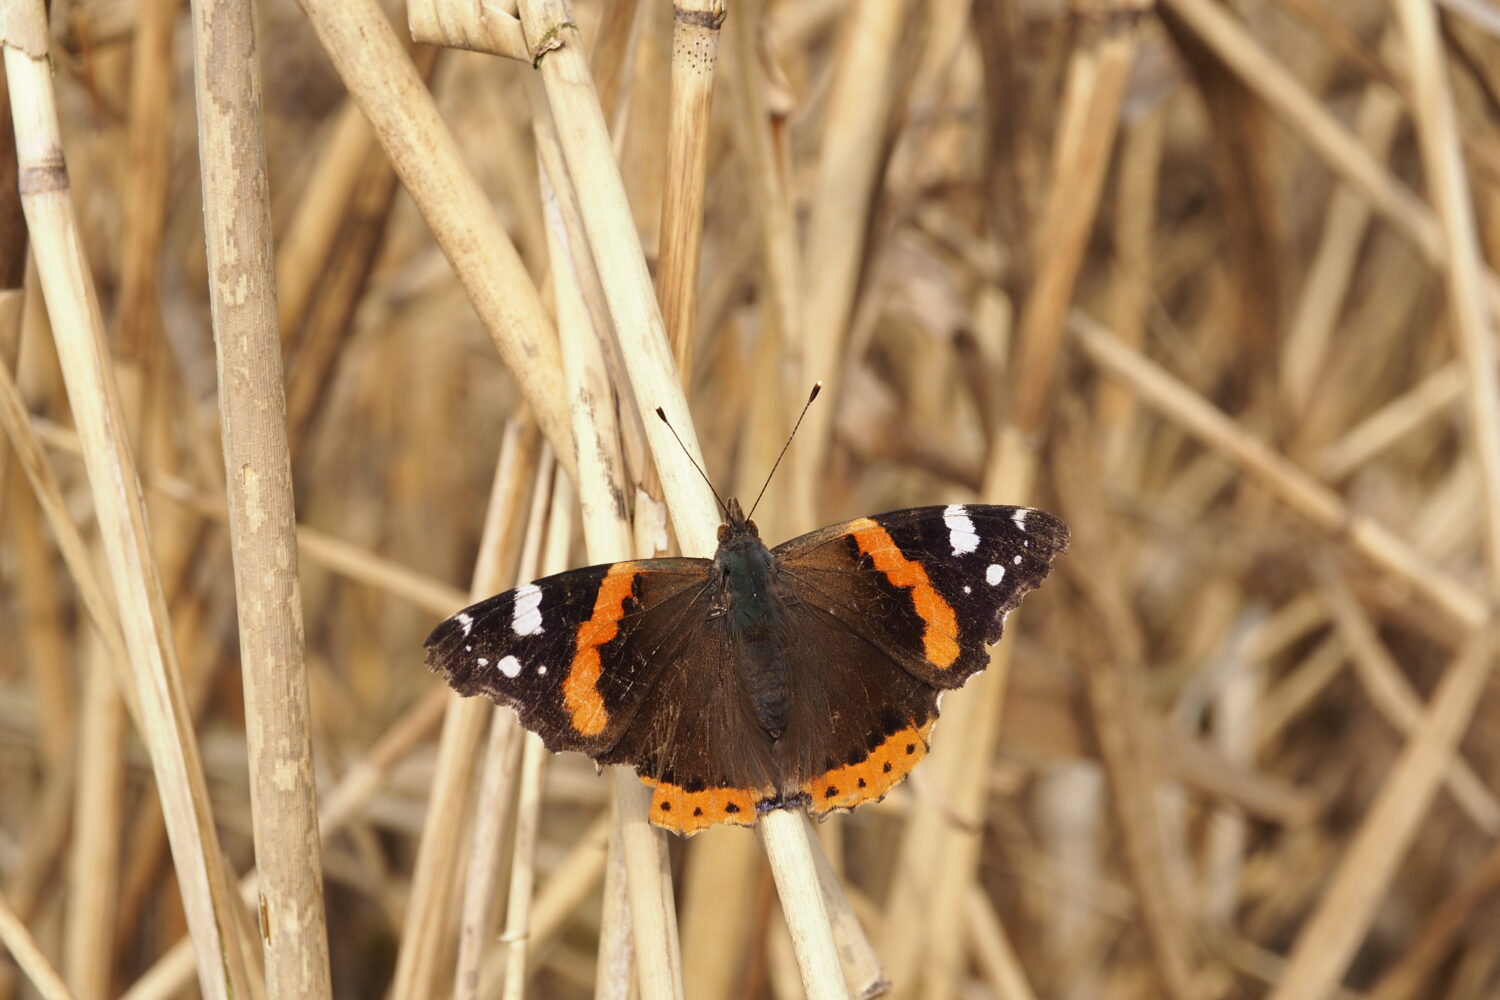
(804, 675)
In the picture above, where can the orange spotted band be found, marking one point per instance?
(681, 811)
(941, 624)
(580, 687)
(868, 780)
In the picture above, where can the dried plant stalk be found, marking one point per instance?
(695, 52)
(380, 77)
(262, 516)
(444, 834)
(1327, 942)
(78, 329)
(1437, 129)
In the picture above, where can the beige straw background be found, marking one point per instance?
(320, 318)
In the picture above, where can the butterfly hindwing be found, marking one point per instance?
(574, 654)
(930, 586)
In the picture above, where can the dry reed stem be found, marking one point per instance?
(146, 177)
(93, 857)
(616, 248)
(1130, 292)
(1442, 159)
(345, 558)
(802, 903)
(443, 830)
(1089, 116)
(1341, 151)
(517, 931)
(171, 971)
(467, 24)
(492, 814)
(695, 52)
(311, 234)
(992, 950)
(1432, 396)
(517, 934)
(1394, 696)
(1294, 487)
(32, 960)
(849, 166)
(1447, 921)
(608, 538)
(771, 200)
(262, 516)
(97, 602)
(1343, 915)
(381, 78)
(1333, 264)
(615, 974)
(501, 769)
(118, 505)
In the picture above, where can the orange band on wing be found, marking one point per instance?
(681, 811)
(938, 638)
(580, 688)
(868, 780)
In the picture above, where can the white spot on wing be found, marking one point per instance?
(1019, 517)
(542, 670)
(968, 589)
(465, 621)
(527, 618)
(994, 574)
(509, 666)
(1015, 559)
(961, 534)
(483, 662)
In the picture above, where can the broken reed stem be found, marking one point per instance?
(262, 515)
(118, 504)
(1442, 160)
(380, 77)
(695, 50)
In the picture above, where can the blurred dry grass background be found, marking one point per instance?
(1213, 281)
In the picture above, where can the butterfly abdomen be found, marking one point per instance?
(757, 622)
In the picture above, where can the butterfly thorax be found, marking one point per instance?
(751, 603)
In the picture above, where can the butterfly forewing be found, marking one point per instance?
(929, 586)
(574, 654)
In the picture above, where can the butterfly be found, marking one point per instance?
(805, 675)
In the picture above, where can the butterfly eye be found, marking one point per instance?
(753, 529)
(723, 533)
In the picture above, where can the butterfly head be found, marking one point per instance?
(736, 524)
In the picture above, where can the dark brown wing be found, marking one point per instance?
(575, 654)
(930, 586)
(889, 611)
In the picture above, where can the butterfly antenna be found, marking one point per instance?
(817, 388)
(722, 505)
